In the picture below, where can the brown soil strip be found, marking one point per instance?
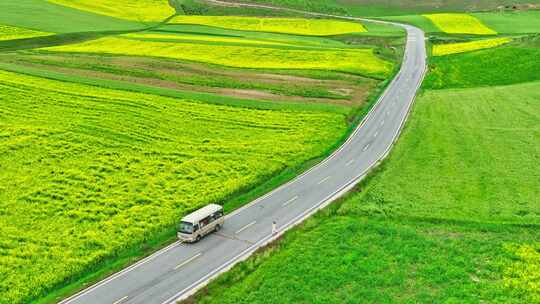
(358, 96)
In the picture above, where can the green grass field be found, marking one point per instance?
(485, 68)
(512, 22)
(452, 217)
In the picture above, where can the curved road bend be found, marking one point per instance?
(176, 271)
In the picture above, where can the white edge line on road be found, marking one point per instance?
(191, 259)
(118, 274)
(121, 300)
(290, 201)
(245, 227)
(343, 146)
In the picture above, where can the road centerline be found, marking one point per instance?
(245, 227)
(191, 259)
(324, 180)
(290, 201)
(349, 163)
(121, 300)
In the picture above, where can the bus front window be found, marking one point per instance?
(186, 227)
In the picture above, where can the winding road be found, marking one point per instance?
(178, 270)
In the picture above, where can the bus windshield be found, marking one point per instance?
(186, 227)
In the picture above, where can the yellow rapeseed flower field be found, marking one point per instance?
(89, 172)
(462, 47)
(523, 275)
(459, 24)
(189, 37)
(140, 10)
(11, 32)
(360, 61)
(311, 27)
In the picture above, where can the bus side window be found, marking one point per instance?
(206, 221)
(218, 215)
(195, 227)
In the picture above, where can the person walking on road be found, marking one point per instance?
(274, 227)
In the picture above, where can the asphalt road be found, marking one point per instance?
(178, 270)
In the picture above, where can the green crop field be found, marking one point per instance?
(485, 68)
(512, 22)
(452, 217)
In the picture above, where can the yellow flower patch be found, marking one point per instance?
(523, 275)
(361, 61)
(459, 24)
(11, 32)
(139, 10)
(462, 47)
(310, 27)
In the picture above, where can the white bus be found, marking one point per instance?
(196, 225)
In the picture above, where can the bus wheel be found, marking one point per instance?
(217, 228)
(198, 238)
